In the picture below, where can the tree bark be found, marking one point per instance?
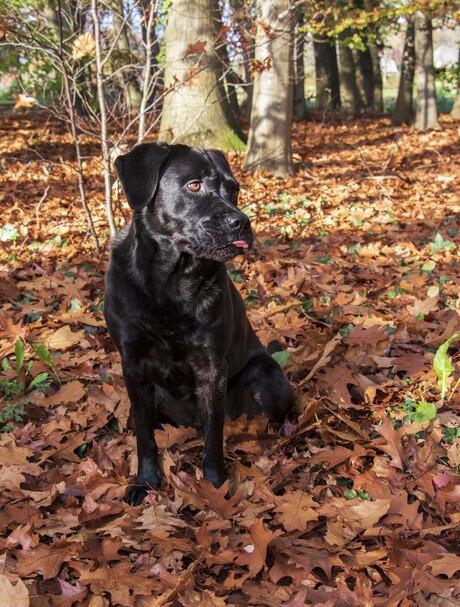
(195, 108)
(269, 146)
(248, 58)
(426, 116)
(374, 58)
(377, 104)
(403, 112)
(455, 113)
(327, 74)
(350, 100)
(364, 77)
(300, 110)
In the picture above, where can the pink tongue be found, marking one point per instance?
(241, 243)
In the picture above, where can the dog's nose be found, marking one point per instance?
(238, 221)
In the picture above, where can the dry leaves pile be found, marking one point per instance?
(356, 504)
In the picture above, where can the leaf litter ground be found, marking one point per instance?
(355, 504)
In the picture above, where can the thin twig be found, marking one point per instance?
(37, 208)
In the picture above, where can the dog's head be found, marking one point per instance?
(188, 195)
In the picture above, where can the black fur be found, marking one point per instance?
(189, 354)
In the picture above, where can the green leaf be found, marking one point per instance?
(19, 352)
(442, 364)
(38, 379)
(450, 434)
(345, 330)
(45, 355)
(439, 244)
(75, 305)
(423, 412)
(429, 266)
(281, 357)
(354, 248)
(6, 365)
(8, 232)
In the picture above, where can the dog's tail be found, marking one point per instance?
(275, 346)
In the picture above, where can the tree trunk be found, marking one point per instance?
(374, 58)
(364, 76)
(426, 116)
(327, 74)
(403, 112)
(350, 100)
(132, 93)
(269, 146)
(300, 110)
(455, 113)
(195, 108)
(377, 104)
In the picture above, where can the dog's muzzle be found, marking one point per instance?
(240, 230)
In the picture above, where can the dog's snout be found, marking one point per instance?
(238, 222)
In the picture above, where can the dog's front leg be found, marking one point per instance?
(211, 390)
(149, 476)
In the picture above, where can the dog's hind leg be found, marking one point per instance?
(261, 387)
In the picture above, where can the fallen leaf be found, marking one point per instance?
(71, 392)
(63, 339)
(394, 446)
(255, 552)
(353, 519)
(13, 594)
(295, 510)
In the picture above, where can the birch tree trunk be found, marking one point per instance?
(403, 112)
(426, 116)
(195, 108)
(269, 146)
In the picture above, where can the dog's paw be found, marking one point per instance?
(217, 477)
(138, 489)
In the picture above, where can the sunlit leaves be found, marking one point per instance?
(442, 364)
(320, 509)
(8, 232)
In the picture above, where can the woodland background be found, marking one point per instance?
(341, 122)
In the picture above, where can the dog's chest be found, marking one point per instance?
(163, 349)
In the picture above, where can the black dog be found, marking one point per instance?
(189, 354)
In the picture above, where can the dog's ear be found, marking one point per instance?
(139, 172)
(219, 157)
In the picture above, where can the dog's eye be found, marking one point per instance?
(195, 186)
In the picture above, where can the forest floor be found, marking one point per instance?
(356, 270)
